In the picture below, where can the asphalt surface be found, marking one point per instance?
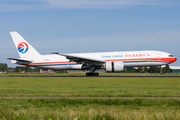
(10, 97)
(76, 76)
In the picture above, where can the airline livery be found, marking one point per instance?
(110, 61)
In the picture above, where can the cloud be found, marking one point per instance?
(21, 5)
(17, 7)
(88, 4)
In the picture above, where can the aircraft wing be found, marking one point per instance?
(79, 59)
(20, 60)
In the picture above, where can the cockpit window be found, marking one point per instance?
(171, 56)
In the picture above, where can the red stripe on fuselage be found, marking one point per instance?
(170, 59)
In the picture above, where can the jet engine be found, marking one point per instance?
(114, 66)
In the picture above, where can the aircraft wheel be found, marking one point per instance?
(92, 74)
(96, 74)
(87, 74)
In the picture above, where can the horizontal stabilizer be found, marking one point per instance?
(20, 60)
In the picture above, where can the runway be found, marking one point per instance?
(75, 76)
(11, 97)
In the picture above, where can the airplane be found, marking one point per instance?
(110, 61)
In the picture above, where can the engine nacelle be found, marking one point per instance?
(114, 66)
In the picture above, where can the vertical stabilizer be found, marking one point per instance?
(23, 47)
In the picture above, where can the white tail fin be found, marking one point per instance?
(23, 47)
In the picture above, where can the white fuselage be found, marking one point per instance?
(129, 58)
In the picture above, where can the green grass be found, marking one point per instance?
(89, 109)
(90, 86)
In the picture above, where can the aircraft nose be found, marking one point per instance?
(173, 59)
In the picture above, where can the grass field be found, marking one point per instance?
(89, 109)
(90, 86)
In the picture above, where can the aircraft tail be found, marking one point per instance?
(23, 47)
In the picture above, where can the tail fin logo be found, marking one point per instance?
(23, 47)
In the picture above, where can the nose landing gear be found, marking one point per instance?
(161, 72)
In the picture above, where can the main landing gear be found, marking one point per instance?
(92, 74)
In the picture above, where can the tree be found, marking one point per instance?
(3, 67)
(154, 69)
(138, 70)
(36, 70)
(28, 68)
(19, 68)
(166, 69)
(146, 70)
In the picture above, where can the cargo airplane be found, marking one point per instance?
(110, 61)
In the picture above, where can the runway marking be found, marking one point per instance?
(11, 97)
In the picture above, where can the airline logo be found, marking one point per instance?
(23, 47)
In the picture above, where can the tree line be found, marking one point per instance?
(4, 68)
(165, 69)
(26, 69)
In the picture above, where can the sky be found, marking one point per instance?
(75, 26)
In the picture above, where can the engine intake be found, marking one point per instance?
(114, 66)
